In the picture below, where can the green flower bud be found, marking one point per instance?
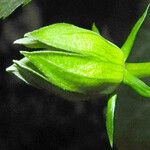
(76, 61)
(80, 64)
(81, 61)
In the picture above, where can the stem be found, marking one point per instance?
(135, 83)
(140, 70)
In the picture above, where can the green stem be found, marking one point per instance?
(135, 83)
(140, 70)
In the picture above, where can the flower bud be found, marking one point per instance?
(79, 62)
(73, 59)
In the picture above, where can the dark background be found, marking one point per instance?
(31, 119)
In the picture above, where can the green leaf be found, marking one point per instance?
(8, 6)
(140, 70)
(139, 86)
(126, 48)
(77, 73)
(95, 29)
(110, 118)
(74, 39)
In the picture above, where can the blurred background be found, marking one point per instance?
(32, 119)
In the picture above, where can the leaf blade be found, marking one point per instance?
(8, 6)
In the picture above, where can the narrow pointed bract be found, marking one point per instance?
(95, 29)
(126, 48)
(110, 118)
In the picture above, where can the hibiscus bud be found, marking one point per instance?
(77, 61)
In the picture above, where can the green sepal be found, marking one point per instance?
(78, 40)
(30, 42)
(95, 29)
(76, 73)
(127, 46)
(139, 86)
(110, 114)
(140, 70)
(27, 72)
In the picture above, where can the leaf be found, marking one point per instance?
(126, 48)
(95, 29)
(76, 73)
(110, 118)
(139, 86)
(74, 39)
(8, 6)
(140, 70)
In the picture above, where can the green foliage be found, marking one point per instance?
(80, 63)
(8, 6)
